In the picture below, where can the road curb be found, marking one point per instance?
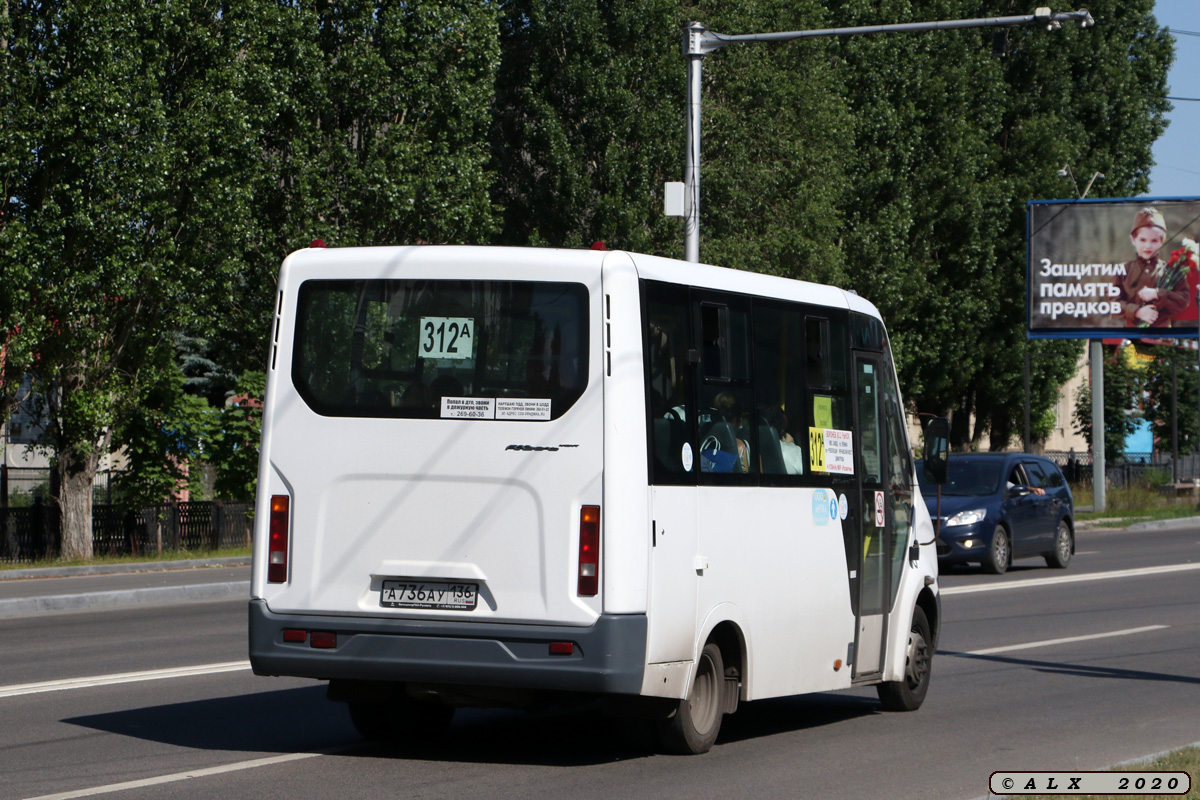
(151, 596)
(1179, 523)
(117, 569)
(1183, 523)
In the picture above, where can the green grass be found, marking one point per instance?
(1184, 760)
(1127, 505)
(151, 558)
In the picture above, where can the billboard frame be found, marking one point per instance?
(1105, 272)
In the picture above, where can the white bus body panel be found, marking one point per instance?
(625, 551)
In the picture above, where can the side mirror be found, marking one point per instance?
(937, 450)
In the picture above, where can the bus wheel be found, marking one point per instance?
(693, 727)
(400, 718)
(908, 694)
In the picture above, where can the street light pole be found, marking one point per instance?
(699, 41)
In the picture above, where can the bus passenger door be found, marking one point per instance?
(673, 581)
(874, 521)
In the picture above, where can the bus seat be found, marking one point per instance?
(770, 451)
(668, 439)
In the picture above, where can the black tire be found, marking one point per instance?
(999, 554)
(693, 727)
(398, 718)
(1060, 556)
(908, 694)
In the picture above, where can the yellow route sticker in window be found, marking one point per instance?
(822, 411)
(816, 449)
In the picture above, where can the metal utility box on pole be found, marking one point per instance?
(699, 41)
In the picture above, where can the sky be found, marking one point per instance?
(1176, 171)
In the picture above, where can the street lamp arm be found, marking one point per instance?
(701, 41)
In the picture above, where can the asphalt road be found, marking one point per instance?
(1038, 669)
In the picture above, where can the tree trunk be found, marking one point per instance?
(76, 473)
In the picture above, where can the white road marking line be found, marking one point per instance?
(1091, 576)
(178, 776)
(1048, 642)
(121, 677)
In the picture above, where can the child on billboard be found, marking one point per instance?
(1152, 291)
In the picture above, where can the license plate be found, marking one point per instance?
(441, 595)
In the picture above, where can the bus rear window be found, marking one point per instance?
(449, 349)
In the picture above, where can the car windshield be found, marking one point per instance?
(967, 478)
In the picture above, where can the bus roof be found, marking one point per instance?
(387, 262)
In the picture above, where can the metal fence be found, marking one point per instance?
(1131, 469)
(33, 532)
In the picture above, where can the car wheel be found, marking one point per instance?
(693, 727)
(999, 553)
(1061, 555)
(909, 693)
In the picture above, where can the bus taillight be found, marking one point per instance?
(589, 551)
(277, 547)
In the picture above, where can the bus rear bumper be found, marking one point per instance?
(606, 658)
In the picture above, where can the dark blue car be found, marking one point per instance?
(996, 507)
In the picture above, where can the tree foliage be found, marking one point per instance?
(127, 150)
(586, 126)
(1169, 401)
(1122, 392)
(158, 161)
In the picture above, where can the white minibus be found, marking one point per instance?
(510, 476)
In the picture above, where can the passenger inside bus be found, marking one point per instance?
(777, 443)
(724, 447)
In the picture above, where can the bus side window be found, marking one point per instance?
(668, 389)
(826, 351)
(727, 424)
(779, 376)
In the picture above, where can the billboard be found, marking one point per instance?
(1113, 269)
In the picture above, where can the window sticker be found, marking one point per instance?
(820, 506)
(450, 338)
(843, 507)
(831, 450)
(839, 451)
(816, 449)
(686, 457)
(468, 408)
(522, 408)
(823, 411)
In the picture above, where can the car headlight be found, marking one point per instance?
(967, 517)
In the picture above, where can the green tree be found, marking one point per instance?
(121, 198)
(370, 123)
(235, 436)
(922, 219)
(587, 123)
(1169, 392)
(162, 441)
(1122, 390)
(160, 159)
(952, 141)
(1094, 99)
(776, 137)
